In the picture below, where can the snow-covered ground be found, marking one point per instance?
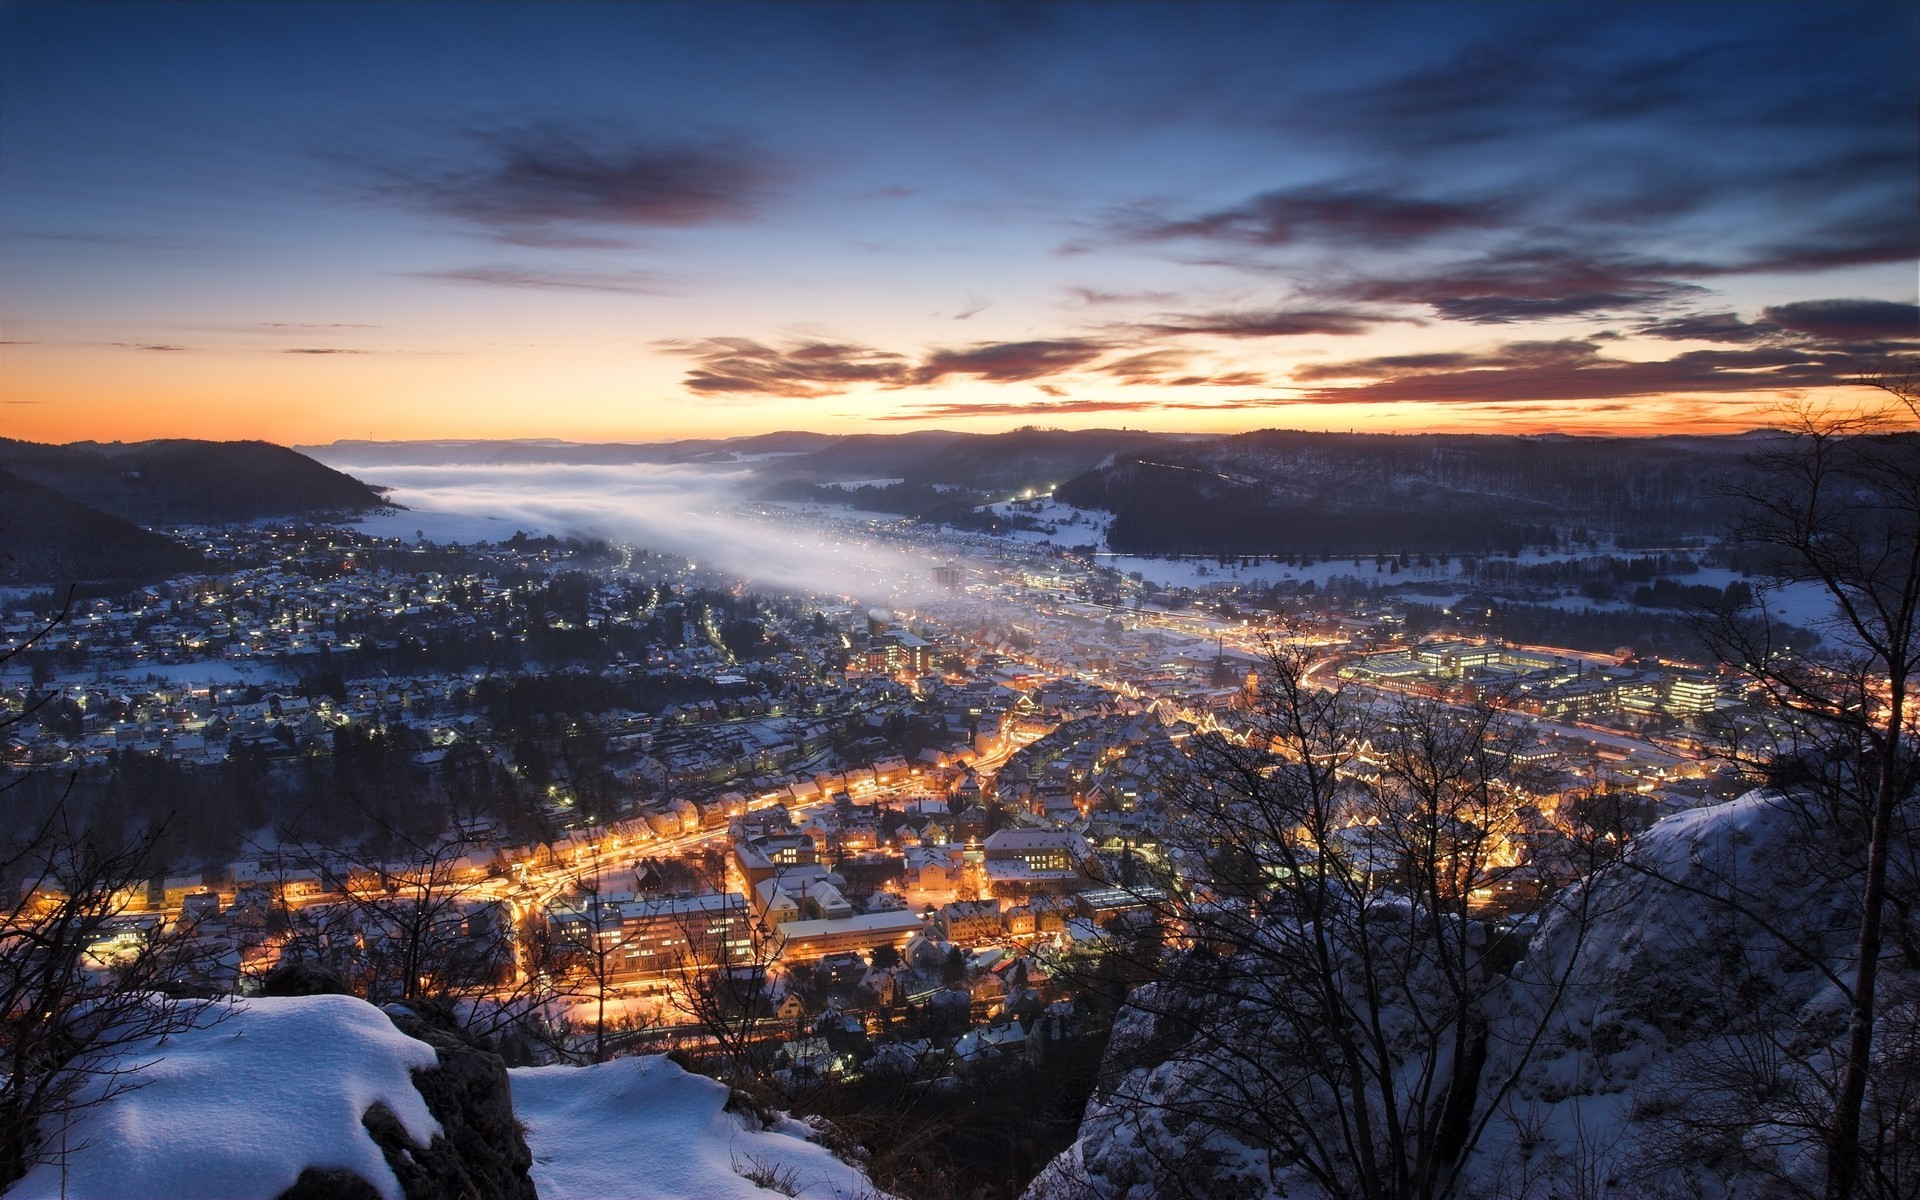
(239, 1106)
(257, 1091)
(643, 1129)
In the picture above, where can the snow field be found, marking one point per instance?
(239, 1105)
(644, 1129)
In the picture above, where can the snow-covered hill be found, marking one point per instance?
(642, 1128)
(242, 1103)
(327, 1096)
(1697, 1012)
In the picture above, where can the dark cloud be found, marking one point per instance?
(1530, 284)
(1225, 379)
(739, 366)
(1043, 409)
(1093, 297)
(1326, 322)
(321, 350)
(1513, 85)
(1150, 366)
(632, 283)
(1890, 234)
(533, 183)
(149, 346)
(997, 409)
(1552, 69)
(315, 325)
(1848, 320)
(1565, 352)
(1046, 409)
(1707, 327)
(1169, 368)
(1326, 216)
(1010, 362)
(1575, 370)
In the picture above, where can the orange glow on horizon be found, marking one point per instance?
(52, 394)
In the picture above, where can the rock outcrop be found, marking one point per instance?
(1674, 1031)
(480, 1153)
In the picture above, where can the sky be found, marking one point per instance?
(633, 222)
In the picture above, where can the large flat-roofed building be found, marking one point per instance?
(1038, 849)
(804, 941)
(1690, 695)
(1452, 658)
(657, 937)
(1020, 862)
(898, 651)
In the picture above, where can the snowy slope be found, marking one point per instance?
(1704, 1013)
(237, 1107)
(1689, 1049)
(643, 1129)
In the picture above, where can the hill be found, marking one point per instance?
(328, 1096)
(188, 482)
(1672, 1031)
(1284, 492)
(1268, 492)
(46, 537)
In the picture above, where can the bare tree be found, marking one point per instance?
(426, 923)
(721, 962)
(586, 960)
(1333, 975)
(1832, 507)
(81, 984)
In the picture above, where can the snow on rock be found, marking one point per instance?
(643, 1129)
(239, 1105)
(1699, 1020)
(1703, 1014)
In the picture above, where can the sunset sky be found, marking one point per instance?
(630, 222)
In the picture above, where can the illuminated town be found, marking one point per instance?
(959, 600)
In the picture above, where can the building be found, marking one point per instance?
(896, 652)
(1021, 862)
(1038, 849)
(805, 941)
(1691, 695)
(969, 922)
(656, 937)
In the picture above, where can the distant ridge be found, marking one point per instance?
(188, 482)
(1268, 491)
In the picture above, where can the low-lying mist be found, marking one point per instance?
(706, 513)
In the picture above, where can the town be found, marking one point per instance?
(584, 782)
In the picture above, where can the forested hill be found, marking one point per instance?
(48, 538)
(188, 482)
(1281, 492)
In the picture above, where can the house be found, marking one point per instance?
(994, 1041)
(969, 922)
